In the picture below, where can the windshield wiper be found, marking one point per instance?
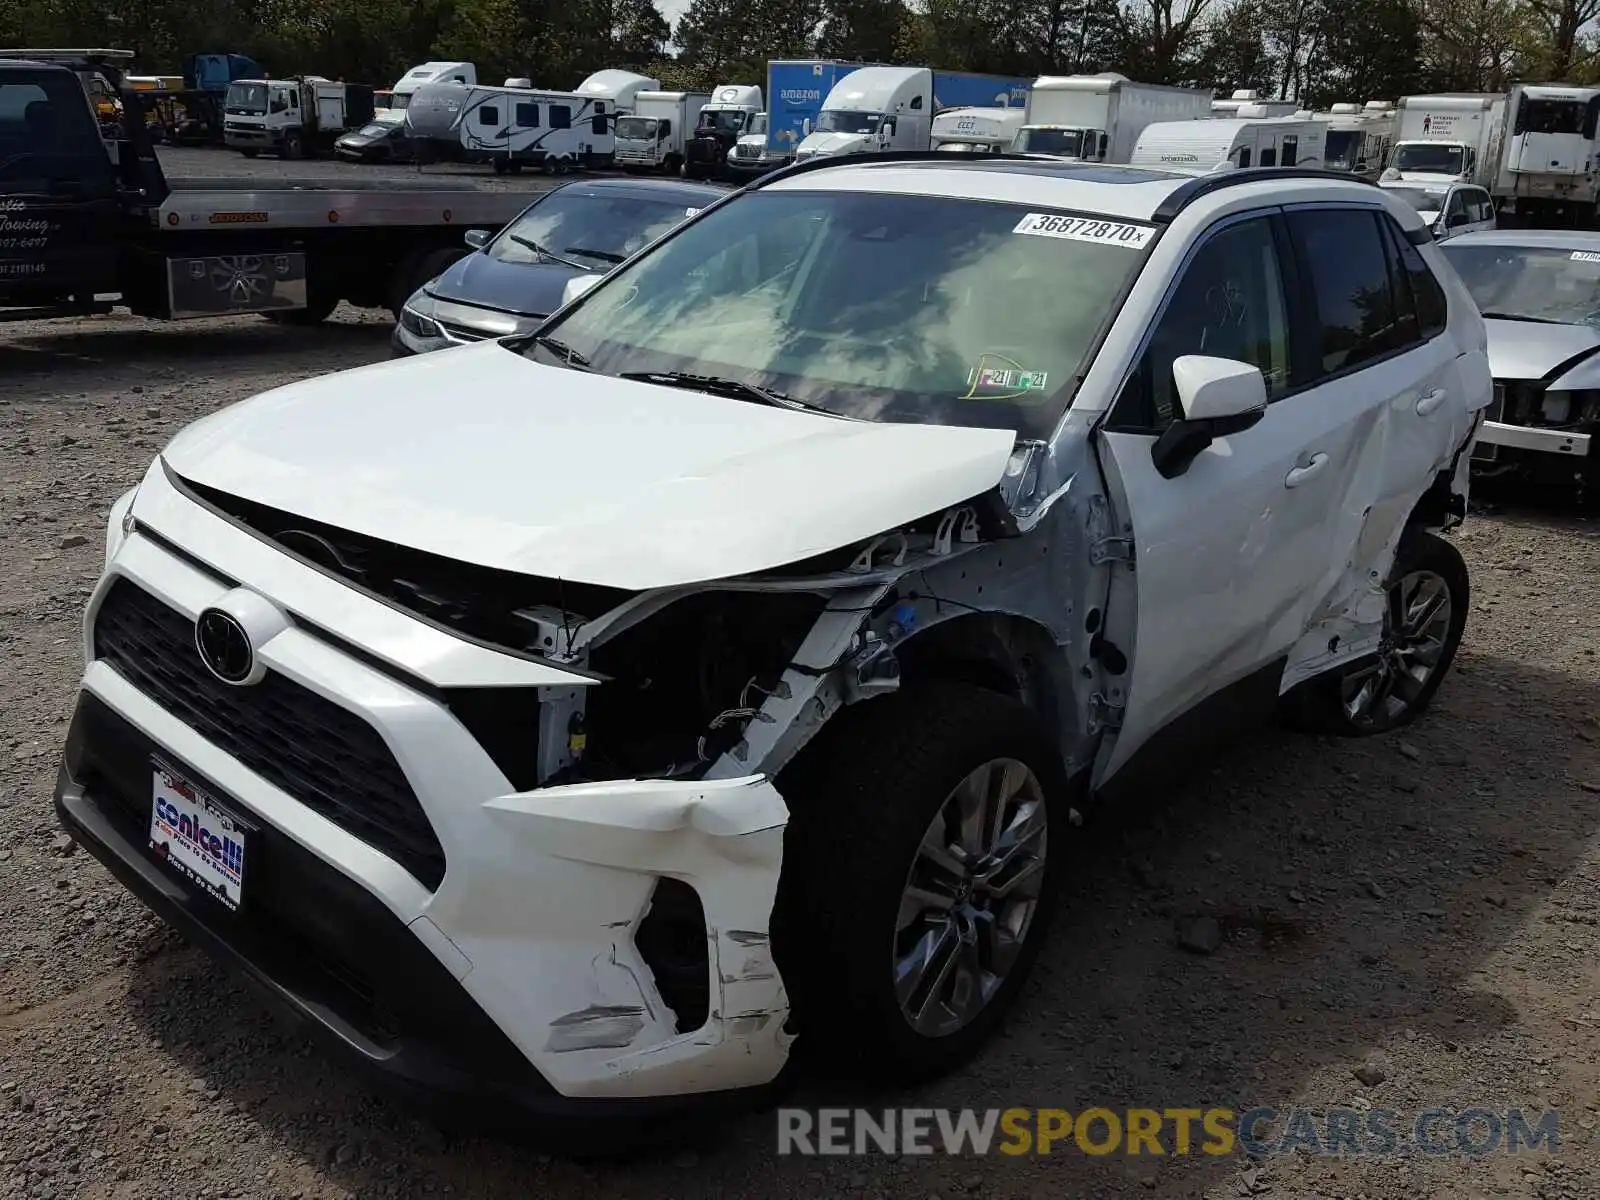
(733, 389)
(566, 353)
(544, 252)
(1500, 316)
(602, 255)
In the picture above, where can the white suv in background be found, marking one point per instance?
(729, 661)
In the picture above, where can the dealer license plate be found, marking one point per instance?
(197, 835)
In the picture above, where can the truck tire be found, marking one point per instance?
(500, 164)
(317, 310)
(293, 146)
(900, 957)
(1430, 593)
(673, 164)
(415, 270)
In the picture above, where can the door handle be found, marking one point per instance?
(1430, 402)
(1299, 475)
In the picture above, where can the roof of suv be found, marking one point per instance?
(1134, 193)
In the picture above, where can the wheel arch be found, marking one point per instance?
(1008, 653)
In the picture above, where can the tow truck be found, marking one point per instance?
(87, 224)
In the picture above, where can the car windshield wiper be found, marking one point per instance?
(561, 350)
(734, 389)
(544, 252)
(1500, 316)
(602, 255)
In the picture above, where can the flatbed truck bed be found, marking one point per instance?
(79, 224)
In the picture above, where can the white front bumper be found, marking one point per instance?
(543, 890)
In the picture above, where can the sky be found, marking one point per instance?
(672, 10)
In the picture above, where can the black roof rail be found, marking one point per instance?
(824, 161)
(1203, 185)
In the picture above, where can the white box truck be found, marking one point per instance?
(1221, 143)
(293, 118)
(1098, 118)
(1545, 173)
(980, 130)
(1447, 138)
(876, 109)
(653, 136)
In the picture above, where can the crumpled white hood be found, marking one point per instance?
(481, 455)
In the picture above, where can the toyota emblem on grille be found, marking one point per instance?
(224, 646)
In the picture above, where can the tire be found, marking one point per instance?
(673, 165)
(293, 147)
(500, 165)
(862, 798)
(1426, 565)
(317, 310)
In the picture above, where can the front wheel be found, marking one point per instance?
(1429, 593)
(921, 862)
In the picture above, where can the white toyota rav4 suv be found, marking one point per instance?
(562, 726)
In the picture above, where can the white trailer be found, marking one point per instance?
(984, 130)
(1360, 136)
(1448, 138)
(1221, 143)
(517, 127)
(1252, 99)
(1545, 173)
(1098, 118)
(653, 136)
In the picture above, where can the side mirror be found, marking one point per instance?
(1218, 397)
(477, 238)
(577, 286)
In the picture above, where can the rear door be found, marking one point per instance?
(59, 215)
(1226, 554)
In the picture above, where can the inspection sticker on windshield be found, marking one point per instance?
(1086, 229)
(1585, 256)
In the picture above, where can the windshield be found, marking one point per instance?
(1343, 149)
(1067, 142)
(247, 98)
(639, 128)
(723, 120)
(1547, 283)
(47, 134)
(399, 100)
(838, 121)
(1550, 116)
(925, 309)
(587, 227)
(1430, 159)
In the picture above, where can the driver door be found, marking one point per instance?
(1227, 554)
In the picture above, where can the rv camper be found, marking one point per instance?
(1219, 143)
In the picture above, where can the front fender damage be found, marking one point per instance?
(606, 1029)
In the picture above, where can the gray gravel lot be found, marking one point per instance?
(1420, 909)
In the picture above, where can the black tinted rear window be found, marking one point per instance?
(47, 133)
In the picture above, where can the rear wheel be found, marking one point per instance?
(1429, 593)
(921, 862)
(293, 147)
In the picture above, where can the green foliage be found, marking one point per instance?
(1318, 51)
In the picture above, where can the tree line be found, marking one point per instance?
(1316, 51)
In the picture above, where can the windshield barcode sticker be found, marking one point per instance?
(1585, 256)
(1086, 229)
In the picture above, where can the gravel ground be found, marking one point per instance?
(1407, 922)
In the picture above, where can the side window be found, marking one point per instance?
(489, 114)
(916, 103)
(527, 116)
(1269, 157)
(1291, 151)
(560, 116)
(1418, 283)
(1244, 156)
(1229, 303)
(1342, 250)
(1483, 206)
(664, 131)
